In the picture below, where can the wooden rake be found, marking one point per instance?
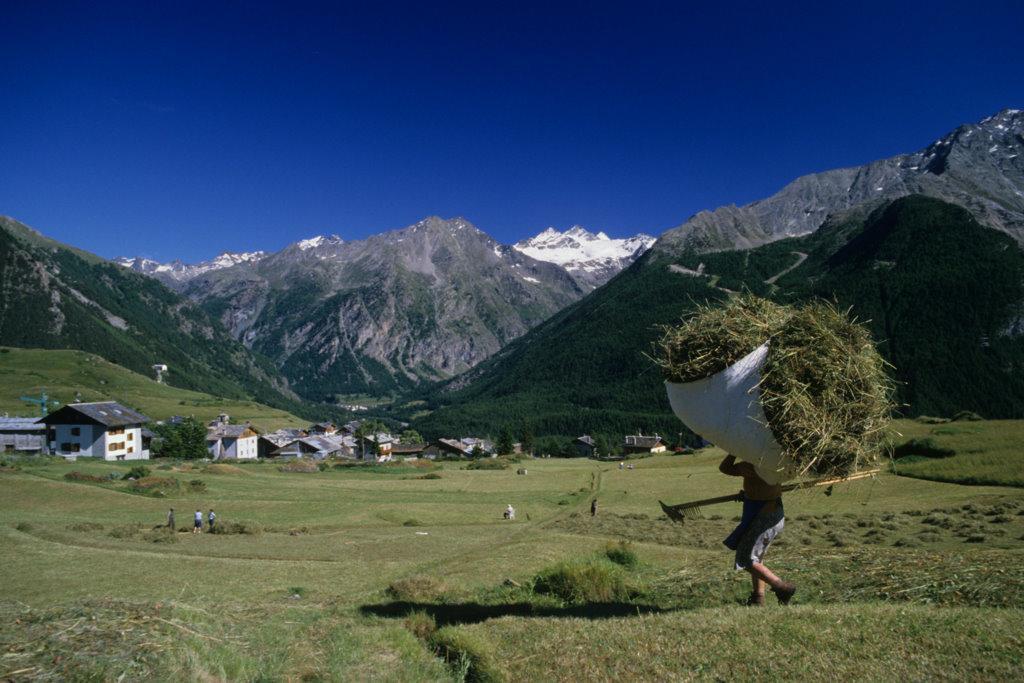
(684, 511)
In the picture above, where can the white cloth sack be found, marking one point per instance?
(725, 409)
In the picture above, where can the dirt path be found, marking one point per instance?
(801, 258)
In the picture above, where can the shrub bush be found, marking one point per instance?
(578, 581)
(411, 522)
(137, 472)
(197, 485)
(23, 527)
(967, 416)
(431, 475)
(622, 554)
(155, 486)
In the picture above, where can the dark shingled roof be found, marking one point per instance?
(107, 413)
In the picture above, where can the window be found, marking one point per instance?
(115, 446)
(76, 431)
(115, 431)
(131, 449)
(131, 436)
(66, 446)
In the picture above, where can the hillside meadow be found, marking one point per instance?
(409, 572)
(63, 373)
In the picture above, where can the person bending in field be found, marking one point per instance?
(197, 528)
(762, 520)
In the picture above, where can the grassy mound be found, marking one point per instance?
(874, 642)
(581, 581)
(223, 468)
(421, 588)
(302, 465)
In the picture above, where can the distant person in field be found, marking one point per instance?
(510, 512)
(211, 519)
(593, 507)
(762, 520)
(170, 519)
(197, 528)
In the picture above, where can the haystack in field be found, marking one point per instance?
(793, 391)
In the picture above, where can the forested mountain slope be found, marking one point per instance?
(943, 295)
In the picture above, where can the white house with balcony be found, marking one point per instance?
(106, 430)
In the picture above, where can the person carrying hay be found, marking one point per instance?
(762, 520)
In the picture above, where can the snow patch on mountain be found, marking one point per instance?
(594, 258)
(180, 271)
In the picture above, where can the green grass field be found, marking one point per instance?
(387, 575)
(26, 372)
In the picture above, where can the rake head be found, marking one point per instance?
(681, 513)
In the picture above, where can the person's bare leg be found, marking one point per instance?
(758, 584)
(782, 589)
(762, 573)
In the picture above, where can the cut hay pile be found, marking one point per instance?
(823, 388)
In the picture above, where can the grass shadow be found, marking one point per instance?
(474, 612)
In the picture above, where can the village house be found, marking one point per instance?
(226, 441)
(585, 446)
(22, 434)
(105, 430)
(407, 451)
(644, 444)
(271, 441)
(315, 446)
(323, 428)
(376, 447)
(445, 448)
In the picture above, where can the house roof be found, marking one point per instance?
(21, 424)
(229, 432)
(106, 413)
(316, 443)
(453, 444)
(400, 448)
(585, 439)
(643, 441)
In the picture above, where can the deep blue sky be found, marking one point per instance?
(173, 130)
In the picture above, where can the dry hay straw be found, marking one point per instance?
(824, 387)
(713, 337)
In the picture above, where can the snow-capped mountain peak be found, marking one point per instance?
(591, 258)
(179, 271)
(318, 241)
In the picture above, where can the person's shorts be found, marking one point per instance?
(759, 535)
(199, 525)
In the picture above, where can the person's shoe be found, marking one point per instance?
(785, 592)
(755, 600)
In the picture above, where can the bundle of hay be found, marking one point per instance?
(793, 391)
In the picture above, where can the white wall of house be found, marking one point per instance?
(124, 444)
(95, 441)
(245, 448)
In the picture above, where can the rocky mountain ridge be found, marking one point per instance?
(979, 166)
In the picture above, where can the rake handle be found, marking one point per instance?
(788, 487)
